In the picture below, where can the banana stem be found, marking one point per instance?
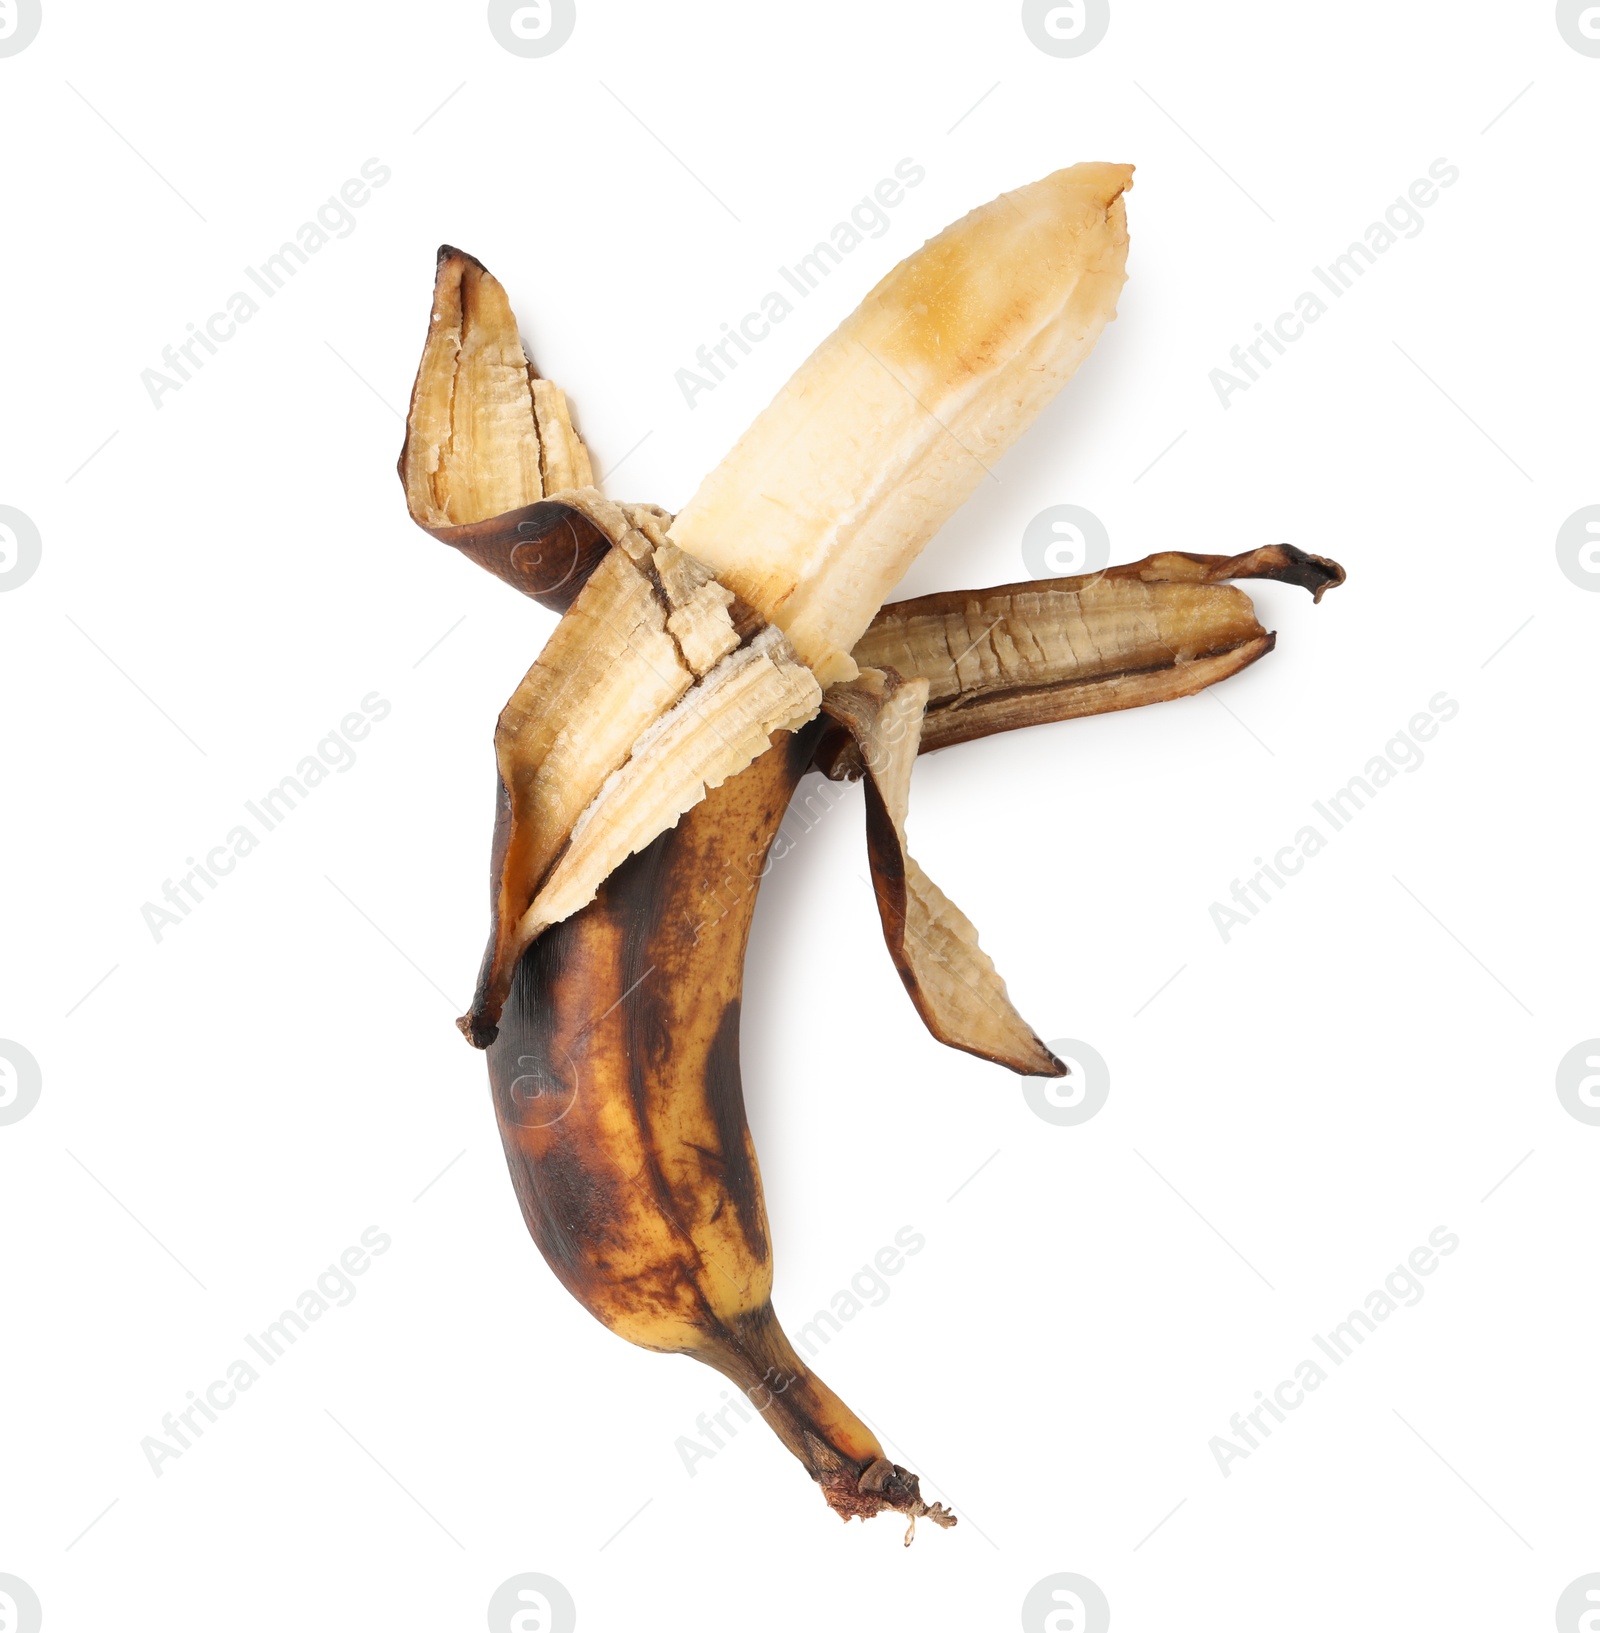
(839, 1451)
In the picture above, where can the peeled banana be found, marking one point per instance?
(701, 666)
(889, 425)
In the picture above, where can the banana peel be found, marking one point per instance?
(492, 463)
(1056, 649)
(701, 665)
(951, 981)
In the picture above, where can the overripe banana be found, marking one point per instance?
(702, 664)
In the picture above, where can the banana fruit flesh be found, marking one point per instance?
(887, 428)
(702, 664)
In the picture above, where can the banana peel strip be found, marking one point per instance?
(1057, 649)
(493, 464)
(950, 979)
(657, 685)
(549, 549)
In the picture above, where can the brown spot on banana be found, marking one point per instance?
(616, 1086)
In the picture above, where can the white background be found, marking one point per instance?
(227, 1110)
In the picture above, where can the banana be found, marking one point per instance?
(701, 665)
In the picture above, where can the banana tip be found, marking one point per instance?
(480, 1033)
(449, 252)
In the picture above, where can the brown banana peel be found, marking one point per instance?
(950, 979)
(1055, 649)
(492, 463)
(701, 665)
(615, 1073)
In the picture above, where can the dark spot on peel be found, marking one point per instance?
(725, 1096)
